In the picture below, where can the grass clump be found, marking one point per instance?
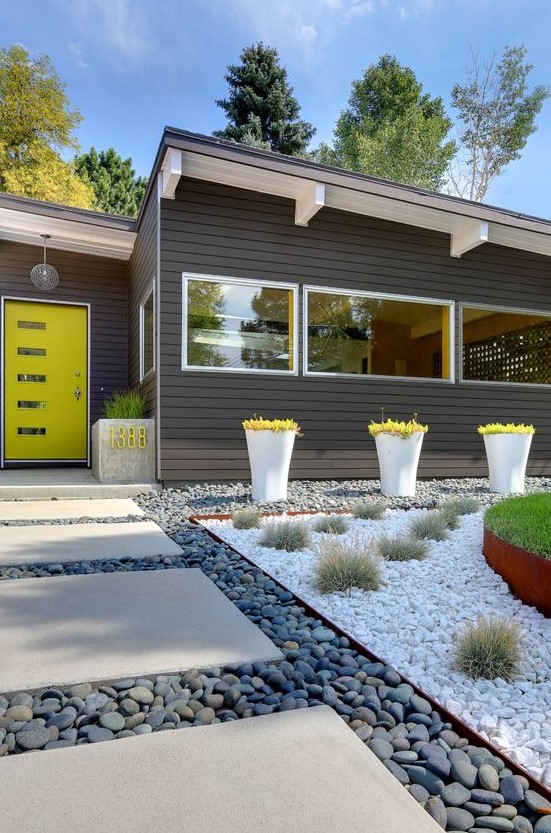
(431, 526)
(344, 565)
(450, 515)
(488, 648)
(524, 521)
(285, 535)
(364, 510)
(400, 548)
(126, 404)
(462, 505)
(331, 524)
(247, 518)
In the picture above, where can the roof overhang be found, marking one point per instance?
(70, 229)
(313, 187)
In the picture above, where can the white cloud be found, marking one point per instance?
(76, 50)
(414, 8)
(118, 25)
(308, 34)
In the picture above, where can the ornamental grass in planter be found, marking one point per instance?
(507, 447)
(270, 446)
(398, 450)
(123, 441)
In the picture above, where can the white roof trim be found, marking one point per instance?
(67, 235)
(309, 203)
(171, 171)
(473, 233)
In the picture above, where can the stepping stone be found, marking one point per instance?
(49, 510)
(302, 770)
(106, 626)
(53, 543)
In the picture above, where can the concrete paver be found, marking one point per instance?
(105, 626)
(49, 510)
(45, 483)
(49, 543)
(302, 770)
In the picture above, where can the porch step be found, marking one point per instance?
(107, 626)
(52, 543)
(302, 770)
(45, 484)
(49, 510)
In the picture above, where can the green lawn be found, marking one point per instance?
(524, 521)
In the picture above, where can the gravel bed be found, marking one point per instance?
(463, 787)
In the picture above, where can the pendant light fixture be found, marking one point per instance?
(43, 275)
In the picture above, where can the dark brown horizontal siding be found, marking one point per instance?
(142, 272)
(82, 279)
(222, 231)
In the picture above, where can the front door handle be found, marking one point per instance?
(77, 392)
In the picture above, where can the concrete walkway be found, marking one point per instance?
(49, 510)
(44, 484)
(301, 770)
(105, 626)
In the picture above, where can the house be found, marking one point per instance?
(256, 282)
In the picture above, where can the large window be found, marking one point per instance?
(147, 334)
(234, 324)
(377, 335)
(506, 345)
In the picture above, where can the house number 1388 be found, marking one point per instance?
(128, 436)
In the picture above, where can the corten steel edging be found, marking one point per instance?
(528, 575)
(448, 717)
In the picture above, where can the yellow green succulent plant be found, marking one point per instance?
(258, 423)
(396, 428)
(506, 428)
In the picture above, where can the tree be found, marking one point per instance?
(36, 123)
(117, 189)
(260, 107)
(498, 114)
(392, 129)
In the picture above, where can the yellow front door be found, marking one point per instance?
(46, 384)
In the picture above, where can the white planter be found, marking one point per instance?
(270, 457)
(398, 461)
(507, 457)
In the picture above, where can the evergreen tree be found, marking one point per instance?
(260, 107)
(117, 189)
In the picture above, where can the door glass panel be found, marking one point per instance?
(31, 325)
(28, 403)
(33, 431)
(31, 351)
(31, 377)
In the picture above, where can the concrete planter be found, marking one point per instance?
(270, 457)
(507, 457)
(398, 461)
(528, 575)
(123, 450)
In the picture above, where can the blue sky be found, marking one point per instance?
(134, 66)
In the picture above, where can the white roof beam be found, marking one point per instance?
(171, 171)
(309, 202)
(470, 235)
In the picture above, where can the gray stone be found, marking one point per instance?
(322, 634)
(511, 789)
(141, 695)
(536, 801)
(381, 748)
(477, 809)
(17, 713)
(419, 704)
(465, 773)
(405, 757)
(128, 707)
(22, 699)
(419, 775)
(543, 825)
(436, 810)
(419, 793)
(488, 778)
(96, 734)
(34, 738)
(81, 690)
(459, 819)
(205, 715)
(63, 720)
(399, 773)
(454, 795)
(522, 825)
(440, 765)
(113, 721)
(495, 823)
(494, 799)
(134, 721)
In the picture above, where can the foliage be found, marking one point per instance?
(343, 565)
(258, 423)
(431, 525)
(488, 648)
(128, 404)
(247, 518)
(367, 511)
(285, 535)
(462, 505)
(397, 429)
(260, 107)
(506, 428)
(331, 524)
(392, 129)
(498, 115)
(401, 548)
(450, 515)
(524, 521)
(36, 123)
(117, 189)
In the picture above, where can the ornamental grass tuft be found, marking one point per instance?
(400, 548)
(331, 524)
(488, 648)
(365, 510)
(343, 565)
(450, 516)
(285, 535)
(462, 505)
(127, 404)
(432, 526)
(247, 518)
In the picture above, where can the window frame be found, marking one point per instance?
(383, 296)
(260, 282)
(495, 308)
(149, 293)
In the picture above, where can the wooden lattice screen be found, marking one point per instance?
(520, 356)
